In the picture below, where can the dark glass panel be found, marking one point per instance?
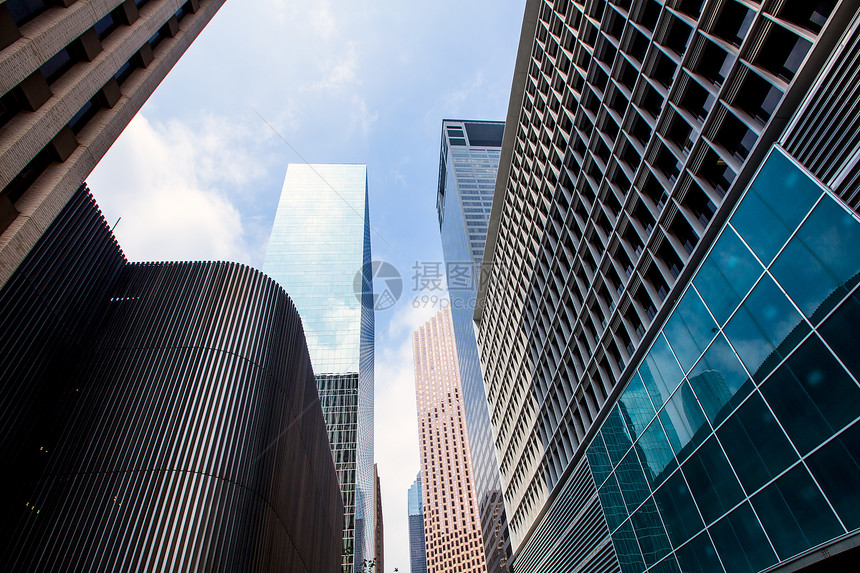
(699, 556)
(841, 333)
(712, 481)
(795, 514)
(615, 435)
(612, 503)
(836, 468)
(631, 480)
(678, 509)
(627, 549)
(812, 395)
(656, 454)
(660, 372)
(649, 530)
(765, 328)
(690, 329)
(598, 460)
(684, 422)
(756, 446)
(719, 380)
(741, 543)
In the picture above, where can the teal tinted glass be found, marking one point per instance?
(685, 424)
(668, 565)
(678, 510)
(636, 407)
(598, 460)
(690, 329)
(757, 447)
(631, 480)
(765, 328)
(842, 335)
(719, 380)
(727, 275)
(741, 543)
(777, 201)
(650, 533)
(660, 371)
(812, 395)
(795, 514)
(613, 503)
(656, 454)
(699, 556)
(821, 263)
(627, 549)
(712, 481)
(836, 468)
(615, 435)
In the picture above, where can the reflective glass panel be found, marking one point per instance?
(613, 503)
(842, 335)
(627, 549)
(678, 510)
(822, 261)
(812, 395)
(598, 460)
(656, 454)
(795, 514)
(741, 543)
(668, 565)
(711, 480)
(690, 329)
(719, 380)
(685, 424)
(765, 329)
(631, 480)
(699, 556)
(636, 407)
(660, 371)
(727, 275)
(836, 468)
(649, 530)
(777, 201)
(756, 445)
(615, 435)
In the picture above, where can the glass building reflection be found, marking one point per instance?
(319, 250)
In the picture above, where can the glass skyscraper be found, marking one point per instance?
(467, 174)
(417, 547)
(319, 251)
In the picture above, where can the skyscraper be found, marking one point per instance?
(378, 526)
(157, 415)
(72, 75)
(417, 549)
(452, 525)
(651, 151)
(467, 174)
(319, 251)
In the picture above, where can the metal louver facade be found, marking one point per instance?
(189, 430)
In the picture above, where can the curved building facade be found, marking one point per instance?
(189, 437)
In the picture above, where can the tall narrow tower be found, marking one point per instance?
(417, 549)
(451, 524)
(319, 251)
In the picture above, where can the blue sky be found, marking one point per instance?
(198, 172)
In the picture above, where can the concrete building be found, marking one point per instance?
(452, 526)
(658, 157)
(467, 174)
(417, 548)
(157, 415)
(72, 75)
(319, 251)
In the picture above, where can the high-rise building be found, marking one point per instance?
(673, 244)
(378, 527)
(417, 550)
(72, 75)
(452, 525)
(157, 415)
(319, 251)
(467, 175)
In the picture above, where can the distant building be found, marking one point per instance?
(452, 526)
(467, 175)
(319, 251)
(379, 530)
(417, 549)
(157, 415)
(72, 75)
(668, 338)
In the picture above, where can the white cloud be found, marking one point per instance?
(167, 183)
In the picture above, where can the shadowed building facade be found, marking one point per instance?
(452, 525)
(417, 550)
(467, 174)
(72, 75)
(319, 251)
(158, 415)
(673, 245)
